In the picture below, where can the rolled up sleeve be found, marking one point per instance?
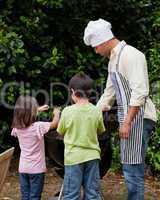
(138, 78)
(108, 97)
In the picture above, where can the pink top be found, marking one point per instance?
(31, 141)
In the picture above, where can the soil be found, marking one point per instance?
(112, 185)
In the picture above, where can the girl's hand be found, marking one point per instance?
(57, 111)
(56, 117)
(43, 108)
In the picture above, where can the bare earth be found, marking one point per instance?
(112, 185)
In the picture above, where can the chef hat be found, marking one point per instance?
(97, 32)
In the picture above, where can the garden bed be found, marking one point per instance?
(113, 185)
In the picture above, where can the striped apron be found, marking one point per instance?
(131, 148)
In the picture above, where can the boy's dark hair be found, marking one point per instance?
(82, 85)
(25, 112)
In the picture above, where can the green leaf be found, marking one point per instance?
(36, 58)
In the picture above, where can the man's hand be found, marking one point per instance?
(124, 130)
(43, 108)
(105, 109)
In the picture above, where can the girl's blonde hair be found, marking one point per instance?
(25, 112)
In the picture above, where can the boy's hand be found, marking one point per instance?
(43, 108)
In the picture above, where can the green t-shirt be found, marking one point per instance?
(80, 124)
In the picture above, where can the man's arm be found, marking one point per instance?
(137, 75)
(125, 128)
(108, 97)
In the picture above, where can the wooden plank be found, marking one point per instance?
(6, 154)
(5, 159)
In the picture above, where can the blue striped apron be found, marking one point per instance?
(130, 148)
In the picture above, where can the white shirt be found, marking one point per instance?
(133, 67)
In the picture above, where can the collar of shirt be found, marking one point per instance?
(116, 49)
(114, 54)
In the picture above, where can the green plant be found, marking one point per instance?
(41, 42)
(153, 156)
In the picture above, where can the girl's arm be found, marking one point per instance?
(43, 108)
(56, 117)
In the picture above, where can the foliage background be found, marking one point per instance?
(41, 42)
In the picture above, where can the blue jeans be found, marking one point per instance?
(31, 186)
(134, 173)
(84, 174)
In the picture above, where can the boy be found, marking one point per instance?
(80, 124)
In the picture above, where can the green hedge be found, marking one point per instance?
(41, 42)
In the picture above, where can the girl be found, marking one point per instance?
(30, 135)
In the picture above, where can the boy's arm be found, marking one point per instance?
(61, 125)
(101, 127)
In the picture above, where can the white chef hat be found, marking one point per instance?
(97, 32)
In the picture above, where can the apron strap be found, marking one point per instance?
(119, 55)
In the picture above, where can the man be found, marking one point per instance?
(127, 82)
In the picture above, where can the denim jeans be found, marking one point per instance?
(85, 174)
(31, 186)
(134, 173)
